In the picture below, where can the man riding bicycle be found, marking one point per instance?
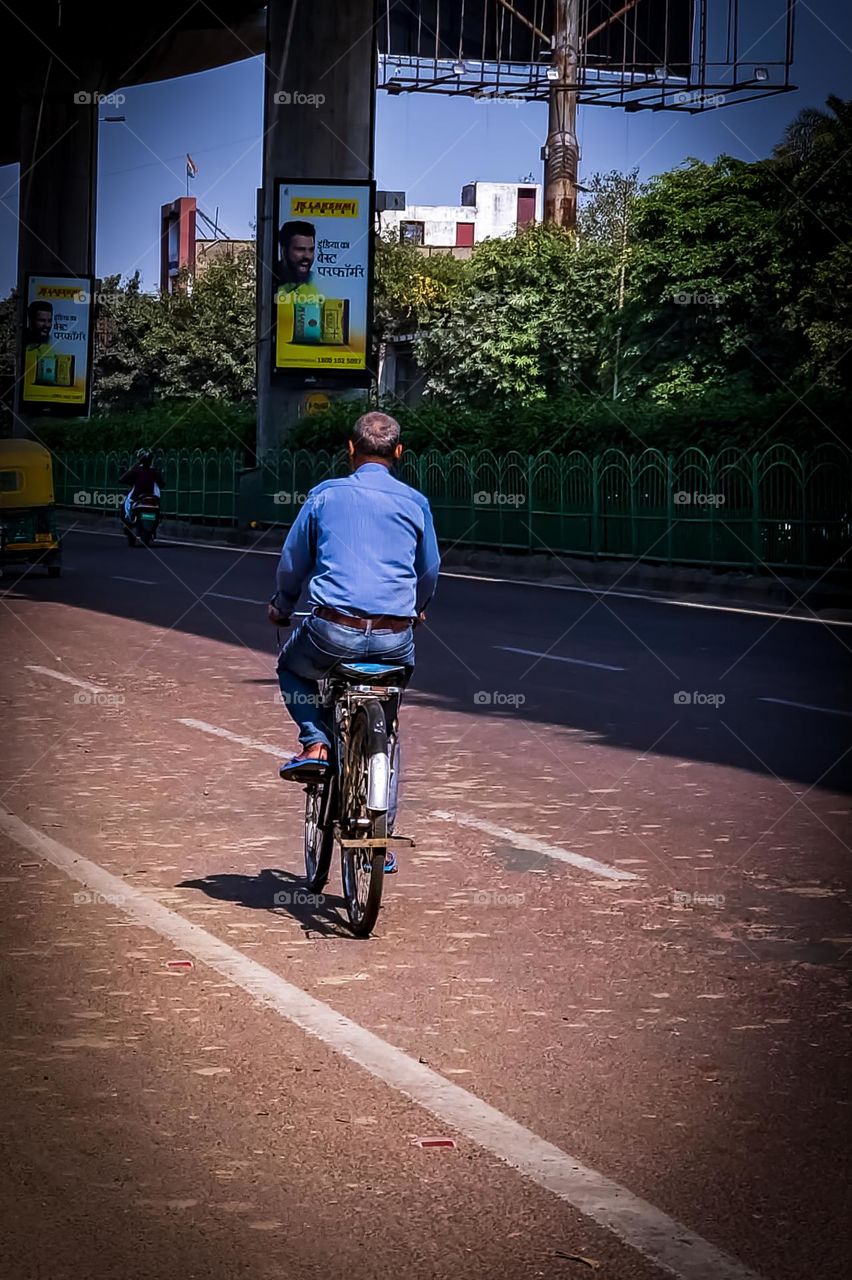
(366, 546)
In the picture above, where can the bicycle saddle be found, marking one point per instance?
(373, 672)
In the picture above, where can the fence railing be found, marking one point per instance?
(778, 508)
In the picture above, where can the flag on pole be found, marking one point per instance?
(191, 167)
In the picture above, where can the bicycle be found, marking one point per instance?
(350, 805)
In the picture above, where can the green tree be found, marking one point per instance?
(199, 340)
(812, 167)
(410, 288)
(708, 280)
(524, 324)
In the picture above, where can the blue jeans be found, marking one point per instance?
(314, 648)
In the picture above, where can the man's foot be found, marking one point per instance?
(309, 764)
(391, 866)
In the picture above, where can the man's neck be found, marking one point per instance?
(361, 460)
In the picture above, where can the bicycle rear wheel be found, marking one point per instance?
(319, 841)
(363, 866)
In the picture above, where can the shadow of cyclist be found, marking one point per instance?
(275, 890)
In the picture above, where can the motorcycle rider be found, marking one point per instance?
(144, 479)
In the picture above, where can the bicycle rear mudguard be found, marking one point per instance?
(378, 775)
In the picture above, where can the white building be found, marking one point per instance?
(487, 210)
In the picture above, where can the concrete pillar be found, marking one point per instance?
(314, 47)
(57, 196)
(562, 151)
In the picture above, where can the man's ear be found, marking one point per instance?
(350, 448)
(397, 453)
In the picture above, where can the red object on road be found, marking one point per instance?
(434, 1142)
(179, 964)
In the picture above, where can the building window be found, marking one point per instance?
(526, 206)
(464, 234)
(412, 232)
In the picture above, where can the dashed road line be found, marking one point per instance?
(60, 675)
(280, 753)
(661, 1239)
(534, 845)
(555, 657)
(807, 706)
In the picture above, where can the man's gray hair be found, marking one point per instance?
(376, 434)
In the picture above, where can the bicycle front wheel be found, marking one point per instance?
(363, 866)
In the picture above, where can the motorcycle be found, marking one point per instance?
(141, 526)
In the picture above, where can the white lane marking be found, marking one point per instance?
(554, 657)
(520, 582)
(279, 752)
(639, 595)
(534, 845)
(60, 675)
(219, 595)
(184, 542)
(144, 582)
(807, 706)
(662, 1239)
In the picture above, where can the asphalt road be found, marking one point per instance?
(615, 970)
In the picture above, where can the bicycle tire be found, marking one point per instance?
(363, 870)
(319, 841)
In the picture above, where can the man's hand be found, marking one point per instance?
(277, 618)
(420, 620)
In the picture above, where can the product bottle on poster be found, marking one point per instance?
(307, 318)
(46, 371)
(65, 371)
(335, 321)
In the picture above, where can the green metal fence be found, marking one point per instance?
(199, 485)
(778, 507)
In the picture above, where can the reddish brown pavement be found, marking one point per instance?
(685, 1034)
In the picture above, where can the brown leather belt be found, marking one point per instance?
(381, 623)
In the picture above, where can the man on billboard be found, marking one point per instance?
(298, 241)
(39, 324)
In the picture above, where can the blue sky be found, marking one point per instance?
(426, 147)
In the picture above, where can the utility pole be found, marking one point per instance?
(561, 151)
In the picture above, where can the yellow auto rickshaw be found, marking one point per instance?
(27, 514)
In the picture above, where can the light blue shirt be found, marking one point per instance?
(366, 544)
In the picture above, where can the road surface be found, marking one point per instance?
(614, 972)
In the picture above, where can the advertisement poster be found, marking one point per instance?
(57, 342)
(323, 280)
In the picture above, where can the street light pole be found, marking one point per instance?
(562, 151)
